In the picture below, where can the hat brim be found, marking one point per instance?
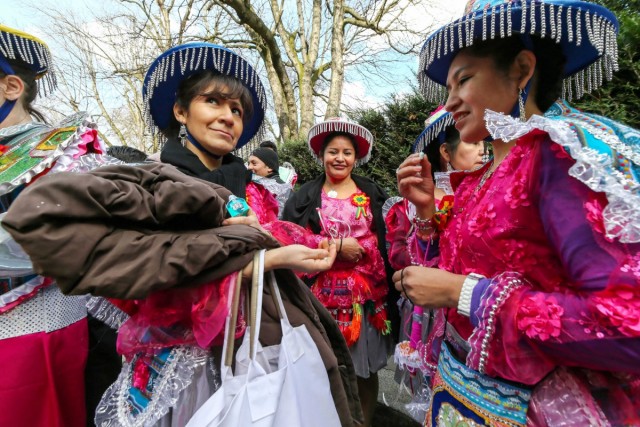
(31, 51)
(584, 31)
(362, 136)
(432, 132)
(178, 63)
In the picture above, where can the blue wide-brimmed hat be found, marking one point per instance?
(436, 126)
(178, 63)
(586, 33)
(33, 52)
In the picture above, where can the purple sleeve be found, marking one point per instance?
(591, 320)
(588, 262)
(561, 207)
(476, 297)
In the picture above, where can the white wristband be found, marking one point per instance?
(464, 302)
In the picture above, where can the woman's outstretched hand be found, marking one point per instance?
(298, 258)
(415, 184)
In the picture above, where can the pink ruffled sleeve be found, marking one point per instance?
(398, 228)
(591, 320)
(262, 202)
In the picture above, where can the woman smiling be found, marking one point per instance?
(347, 208)
(539, 258)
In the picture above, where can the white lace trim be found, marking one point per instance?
(176, 375)
(622, 214)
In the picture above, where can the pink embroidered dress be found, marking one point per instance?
(348, 290)
(561, 297)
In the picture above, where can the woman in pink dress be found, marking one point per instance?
(347, 208)
(441, 142)
(538, 283)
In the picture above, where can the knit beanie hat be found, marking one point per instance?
(269, 157)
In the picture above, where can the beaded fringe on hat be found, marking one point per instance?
(432, 132)
(341, 126)
(13, 46)
(497, 22)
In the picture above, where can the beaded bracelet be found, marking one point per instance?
(424, 229)
(423, 225)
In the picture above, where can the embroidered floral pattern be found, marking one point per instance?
(594, 208)
(632, 266)
(442, 215)
(618, 307)
(482, 222)
(540, 317)
(517, 194)
(514, 254)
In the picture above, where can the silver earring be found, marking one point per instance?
(523, 118)
(449, 167)
(182, 135)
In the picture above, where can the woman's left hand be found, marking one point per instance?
(301, 258)
(429, 287)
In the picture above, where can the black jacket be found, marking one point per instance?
(232, 175)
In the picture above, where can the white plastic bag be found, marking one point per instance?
(296, 393)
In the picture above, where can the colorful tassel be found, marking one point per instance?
(351, 332)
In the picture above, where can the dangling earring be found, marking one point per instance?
(449, 167)
(182, 135)
(523, 118)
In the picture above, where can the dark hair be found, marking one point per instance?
(270, 145)
(333, 135)
(28, 77)
(451, 140)
(223, 86)
(550, 63)
(127, 154)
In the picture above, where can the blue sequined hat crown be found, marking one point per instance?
(319, 132)
(18, 45)
(437, 123)
(586, 33)
(178, 63)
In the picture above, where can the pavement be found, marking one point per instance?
(392, 398)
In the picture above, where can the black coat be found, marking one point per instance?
(232, 175)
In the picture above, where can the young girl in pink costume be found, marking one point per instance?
(538, 280)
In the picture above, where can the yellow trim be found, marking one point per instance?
(22, 34)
